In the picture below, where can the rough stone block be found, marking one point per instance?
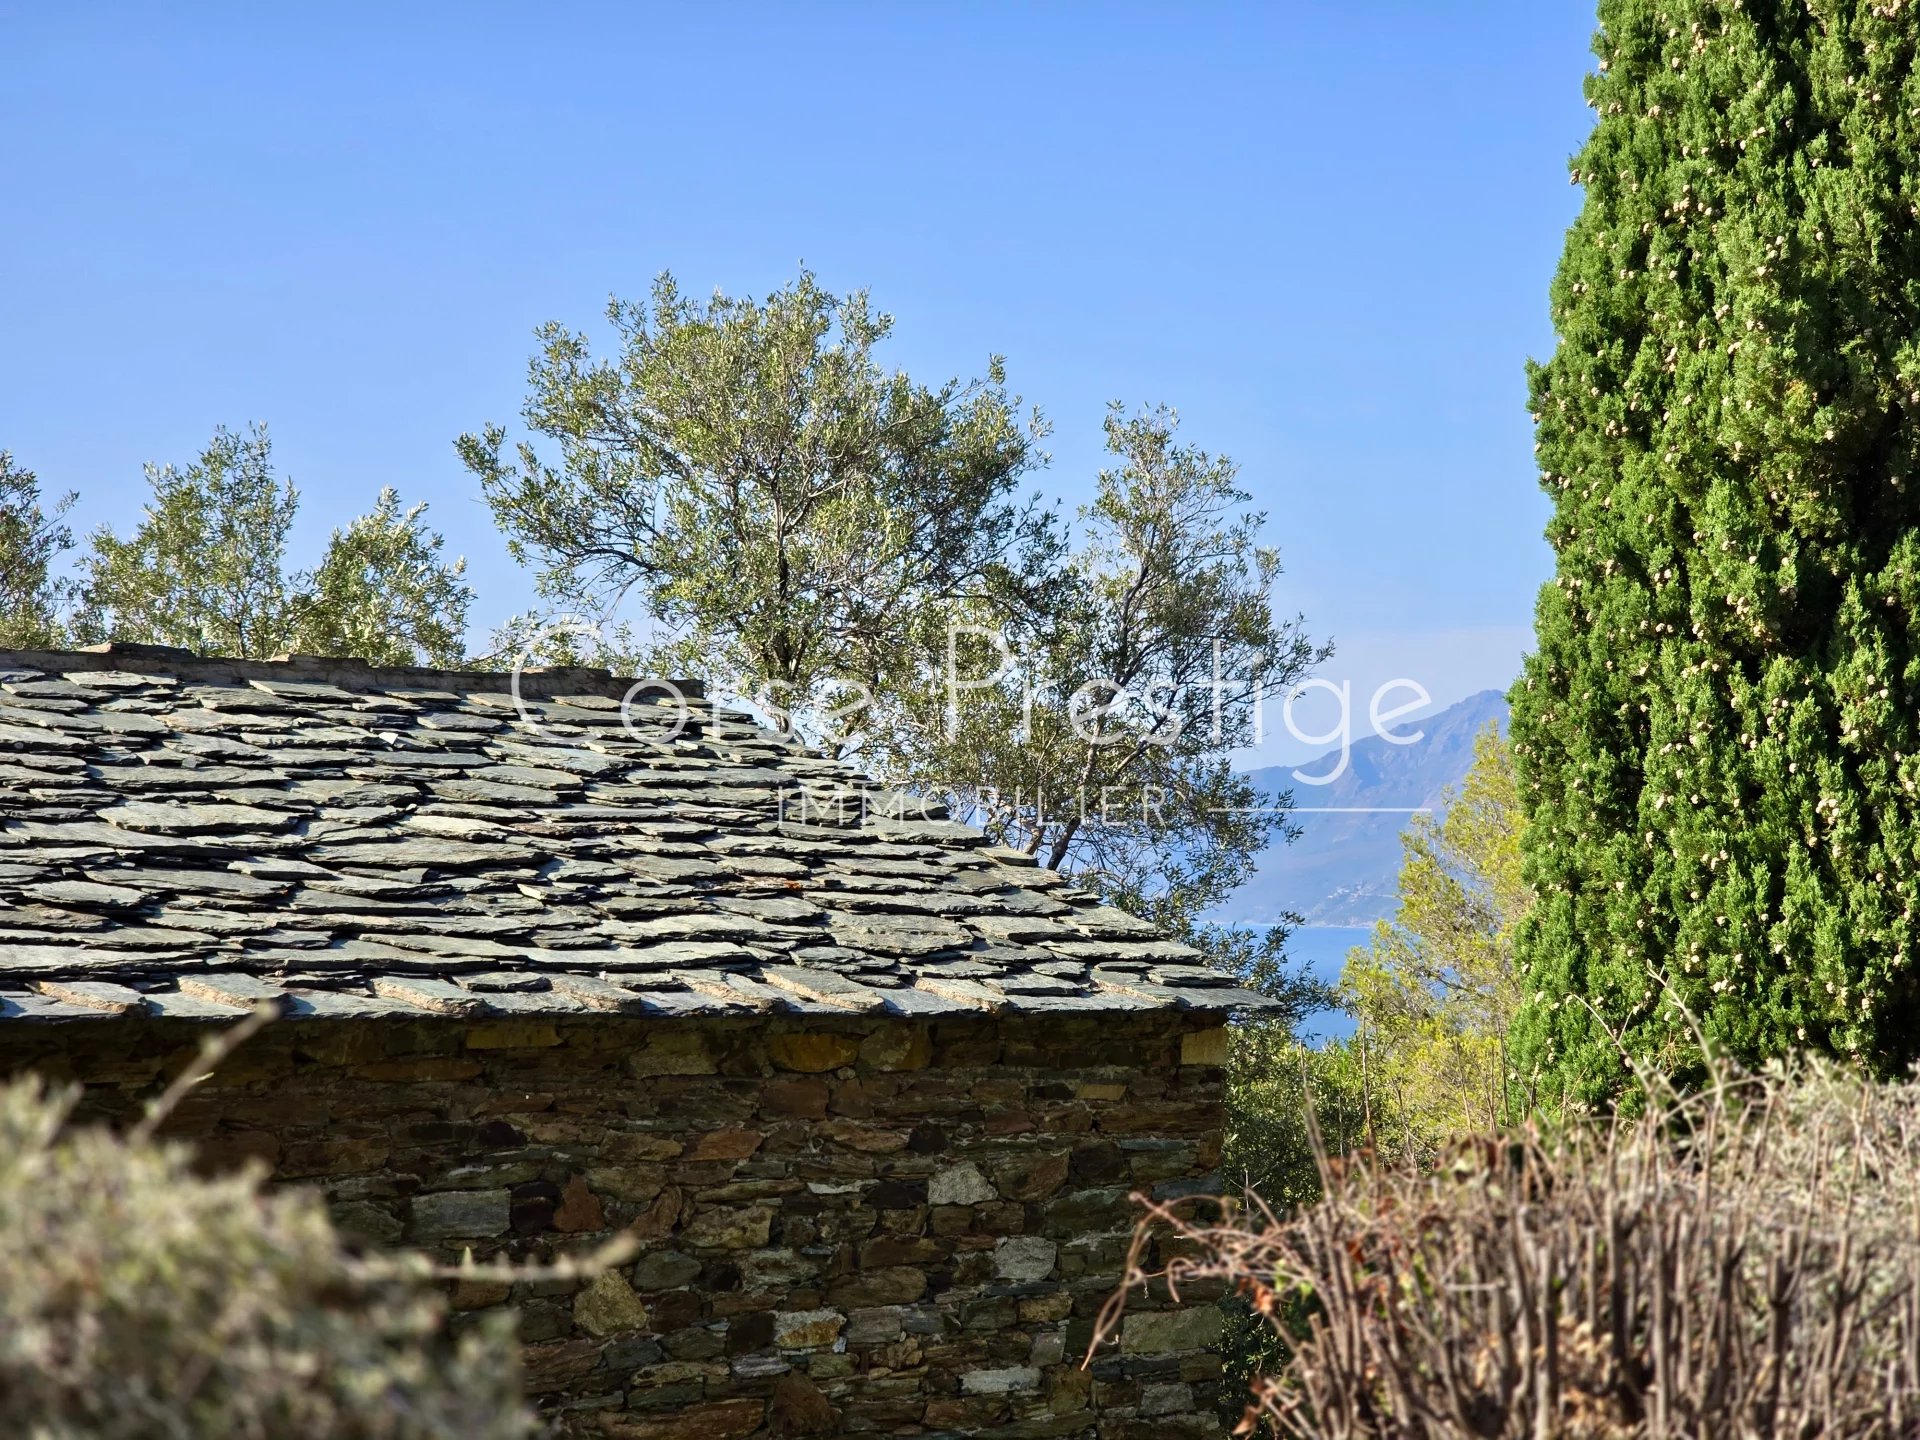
(627, 1147)
(1158, 1332)
(478, 1294)
(965, 1415)
(1069, 1389)
(1000, 1382)
(812, 1052)
(869, 1139)
(726, 1145)
(630, 1352)
(1098, 1162)
(898, 1047)
(1205, 1047)
(657, 1220)
(795, 1097)
(903, 1250)
(759, 1366)
(608, 1305)
(1024, 1259)
(799, 1409)
(365, 1221)
(1031, 1177)
(1084, 1211)
(511, 1035)
(895, 1285)
(777, 1269)
(961, 1184)
(664, 1270)
(875, 1325)
(419, 1069)
(1044, 1309)
(725, 1420)
(807, 1329)
(579, 1207)
(1164, 1162)
(1166, 1399)
(557, 1365)
(636, 1184)
(459, 1215)
(730, 1229)
(677, 1309)
(655, 1397)
(829, 1365)
(674, 1052)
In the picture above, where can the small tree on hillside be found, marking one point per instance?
(1433, 996)
(1718, 738)
(1436, 989)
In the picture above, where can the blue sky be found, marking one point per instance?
(1323, 233)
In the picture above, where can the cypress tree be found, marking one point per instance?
(1718, 737)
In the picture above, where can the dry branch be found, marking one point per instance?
(1738, 1264)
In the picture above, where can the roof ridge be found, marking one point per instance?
(342, 670)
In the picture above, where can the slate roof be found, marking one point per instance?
(182, 836)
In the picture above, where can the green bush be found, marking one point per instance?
(141, 1301)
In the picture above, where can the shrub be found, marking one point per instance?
(1741, 1262)
(138, 1300)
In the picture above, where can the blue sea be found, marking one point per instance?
(1321, 950)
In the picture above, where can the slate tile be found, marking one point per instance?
(86, 894)
(387, 844)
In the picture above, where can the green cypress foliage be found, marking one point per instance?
(1718, 738)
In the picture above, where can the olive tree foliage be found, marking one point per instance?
(791, 519)
(33, 595)
(844, 545)
(1436, 989)
(142, 1302)
(382, 592)
(206, 569)
(1097, 737)
(1095, 734)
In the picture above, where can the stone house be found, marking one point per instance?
(874, 1094)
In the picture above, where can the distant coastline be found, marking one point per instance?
(1321, 950)
(1343, 870)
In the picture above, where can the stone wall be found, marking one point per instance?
(851, 1226)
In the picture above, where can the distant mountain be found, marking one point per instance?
(1344, 869)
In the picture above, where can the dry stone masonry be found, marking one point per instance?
(895, 1227)
(873, 1094)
